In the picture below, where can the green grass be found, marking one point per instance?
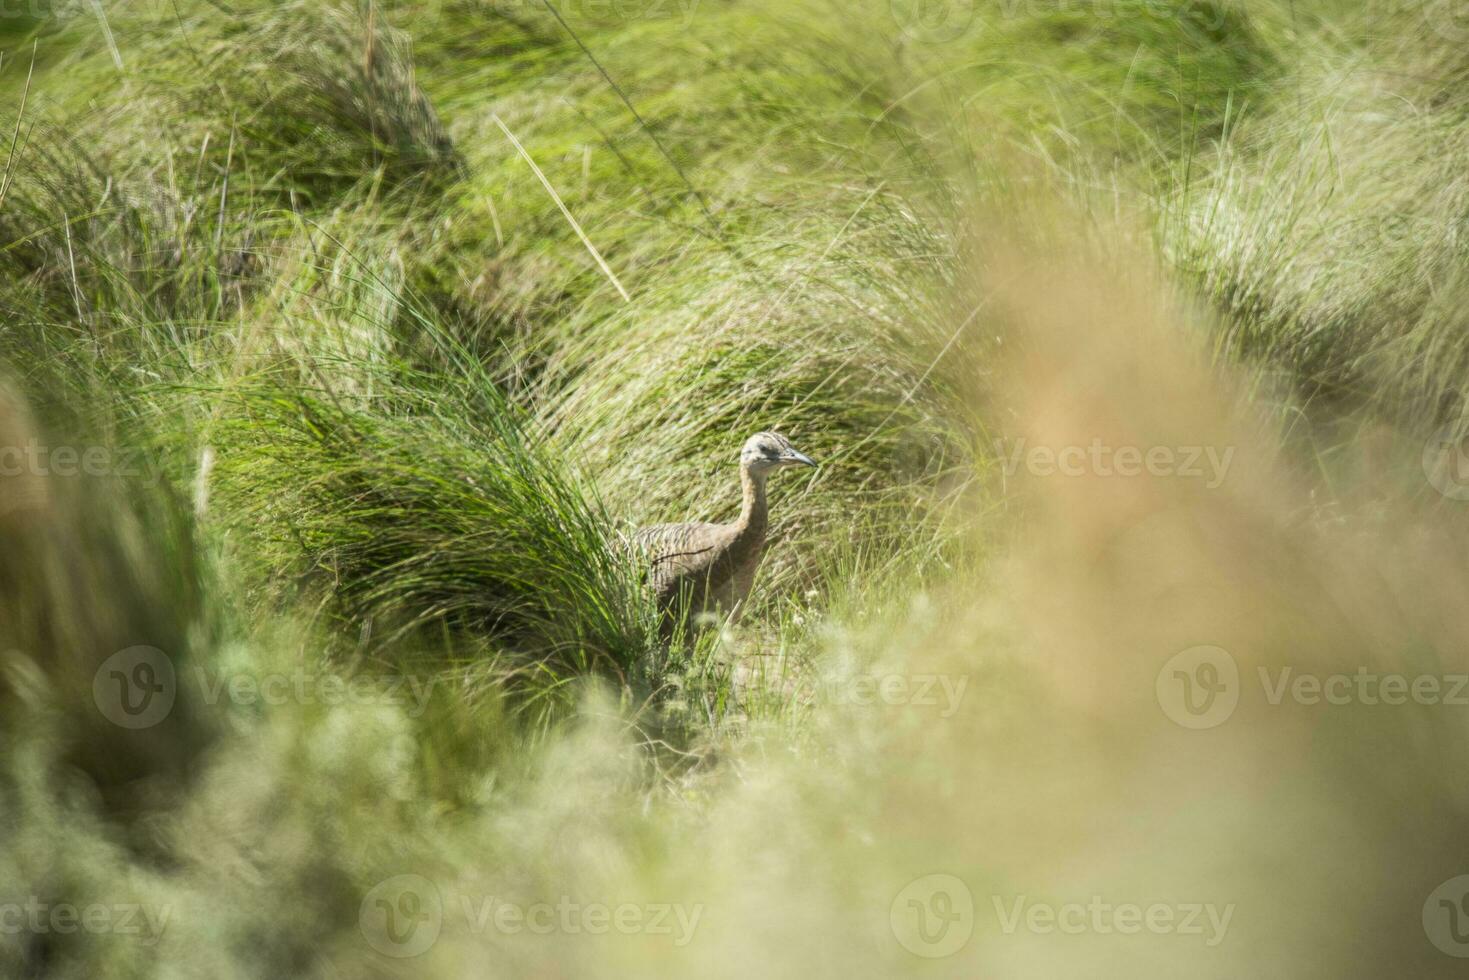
(411, 311)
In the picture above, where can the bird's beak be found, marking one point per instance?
(793, 458)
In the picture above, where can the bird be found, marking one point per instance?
(700, 568)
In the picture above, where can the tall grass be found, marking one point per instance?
(1331, 227)
(424, 500)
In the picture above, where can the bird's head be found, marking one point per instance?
(766, 451)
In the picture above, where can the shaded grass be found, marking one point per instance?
(1330, 228)
(419, 508)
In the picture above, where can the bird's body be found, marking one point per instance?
(710, 568)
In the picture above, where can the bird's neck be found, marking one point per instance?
(750, 527)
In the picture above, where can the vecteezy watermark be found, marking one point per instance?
(1449, 19)
(1350, 239)
(40, 9)
(933, 21)
(941, 692)
(1207, 463)
(35, 458)
(623, 11)
(1364, 687)
(1203, 919)
(1446, 917)
(136, 688)
(566, 916)
(307, 687)
(1446, 463)
(403, 917)
(942, 21)
(933, 916)
(144, 923)
(1200, 688)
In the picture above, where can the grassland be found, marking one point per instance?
(344, 342)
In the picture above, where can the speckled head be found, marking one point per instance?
(766, 451)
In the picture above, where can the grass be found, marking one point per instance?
(391, 319)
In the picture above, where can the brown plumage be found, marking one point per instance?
(710, 567)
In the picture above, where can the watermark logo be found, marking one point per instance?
(411, 693)
(1202, 686)
(1364, 687)
(940, 21)
(567, 916)
(1446, 462)
(1449, 19)
(35, 458)
(940, 693)
(933, 21)
(1199, 688)
(933, 916)
(29, 10)
(402, 916)
(1446, 917)
(603, 11)
(143, 923)
(1209, 464)
(135, 688)
(1102, 918)
(630, 11)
